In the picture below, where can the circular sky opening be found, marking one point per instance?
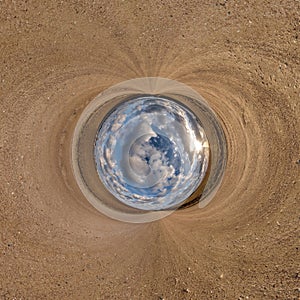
(147, 147)
(151, 152)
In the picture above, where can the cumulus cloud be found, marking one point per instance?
(151, 147)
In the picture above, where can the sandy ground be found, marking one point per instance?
(242, 56)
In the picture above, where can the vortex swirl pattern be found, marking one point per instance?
(242, 58)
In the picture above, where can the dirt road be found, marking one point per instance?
(242, 57)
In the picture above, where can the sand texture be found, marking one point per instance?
(243, 57)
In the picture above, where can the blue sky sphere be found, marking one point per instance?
(151, 152)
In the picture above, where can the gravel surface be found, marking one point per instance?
(243, 57)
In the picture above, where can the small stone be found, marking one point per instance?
(222, 276)
(298, 162)
(186, 290)
(277, 222)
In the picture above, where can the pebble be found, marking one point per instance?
(186, 290)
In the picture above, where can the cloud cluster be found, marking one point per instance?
(151, 153)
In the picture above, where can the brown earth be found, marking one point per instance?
(242, 56)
